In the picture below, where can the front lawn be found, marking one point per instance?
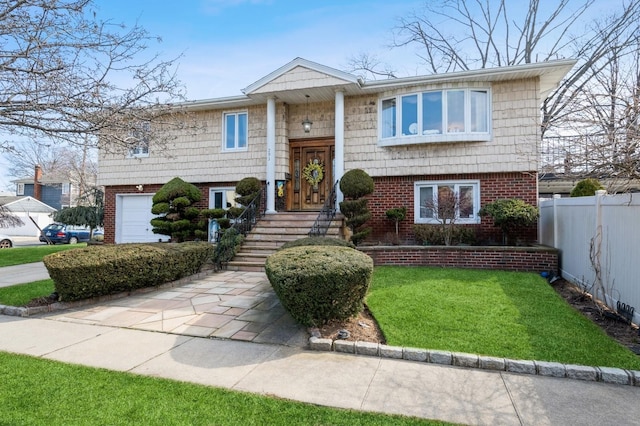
(21, 294)
(31, 254)
(41, 392)
(496, 313)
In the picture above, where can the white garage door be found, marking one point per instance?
(133, 213)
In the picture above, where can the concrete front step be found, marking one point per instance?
(271, 232)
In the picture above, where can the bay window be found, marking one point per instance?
(435, 116)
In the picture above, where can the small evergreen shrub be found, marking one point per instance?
(355, 185)
(317, 241)
(586, 188)
(510, 215)
(433, 235)
(317, 284)
(247, 189)
(173, 203)
(227, 247)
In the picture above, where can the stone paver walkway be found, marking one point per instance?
(231, 304)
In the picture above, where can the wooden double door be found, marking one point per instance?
(312, 170)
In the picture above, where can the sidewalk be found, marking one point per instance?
(26, 273)
(357, 382)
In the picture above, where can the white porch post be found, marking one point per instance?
(339, 147)
(271, 156)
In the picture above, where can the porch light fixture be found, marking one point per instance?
(306, 124)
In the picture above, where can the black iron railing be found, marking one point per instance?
(324, 219)
(249, 217)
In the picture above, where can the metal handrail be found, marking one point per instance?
(249, 217)
(326, 215)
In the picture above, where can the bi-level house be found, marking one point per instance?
(474, 132)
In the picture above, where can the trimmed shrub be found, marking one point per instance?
(509, 215)
(109, 269)
(317, 284)
(247, 189)
(227, 247)
(317, 241)
(356, 184)
(586, 188)
(433, 235)
(173, 203)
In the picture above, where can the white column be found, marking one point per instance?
(339, 147)
(271, 156)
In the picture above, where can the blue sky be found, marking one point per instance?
(229, 44)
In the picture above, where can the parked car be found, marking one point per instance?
(5, 241)
(58, 233)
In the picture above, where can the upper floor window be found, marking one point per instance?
(436, 116)
(66, 188)
(20, 189)
(447, 202)
(139, 140)
(235, 131)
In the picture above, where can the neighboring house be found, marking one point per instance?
(473, 132)
(55, 191)
(27, 208)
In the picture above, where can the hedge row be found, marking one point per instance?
(102, 270)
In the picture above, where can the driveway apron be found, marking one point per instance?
(230, 304)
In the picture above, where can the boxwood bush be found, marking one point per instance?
(317, 241)
(317, 284)
(102, 270)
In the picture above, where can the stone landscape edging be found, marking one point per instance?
(609, 375)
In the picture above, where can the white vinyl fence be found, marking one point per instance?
(597, 233)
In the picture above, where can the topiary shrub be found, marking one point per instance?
(247, 189)
(397, 215)
(356, 184)
(509, 215)
(586, 188)
(317, 241)
(173, 203)
(317, 284)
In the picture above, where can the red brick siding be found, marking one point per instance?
(530, 259)
(393, 192)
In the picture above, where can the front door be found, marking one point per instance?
(312, 172)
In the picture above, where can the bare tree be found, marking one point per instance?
(69, 76)
(446, 207)
(459, 35)
(8, 219)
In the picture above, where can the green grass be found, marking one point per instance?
(35, 391)
(21, 294)
(31, 254)
(495, 313)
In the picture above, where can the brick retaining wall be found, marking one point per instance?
(530, 259)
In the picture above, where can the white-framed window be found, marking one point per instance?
(139, 141)
(440, 201)
(436, 116)
(222, 198)
(20, 189)
(235, 132)
(66, 188)
(219, 198)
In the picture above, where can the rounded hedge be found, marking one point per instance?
(317, 284)
(248, 186)
(317, 241)
(586, 188)
(356, 183)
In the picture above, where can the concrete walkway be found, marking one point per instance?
(228, 330)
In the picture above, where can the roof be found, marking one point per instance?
(324, 81)
(25, 204)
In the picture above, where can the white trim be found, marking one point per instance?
(456, 183)
(446, 136)
(271, 156)
(236, 141)
(20, 188)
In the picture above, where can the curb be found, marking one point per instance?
(609, 375)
